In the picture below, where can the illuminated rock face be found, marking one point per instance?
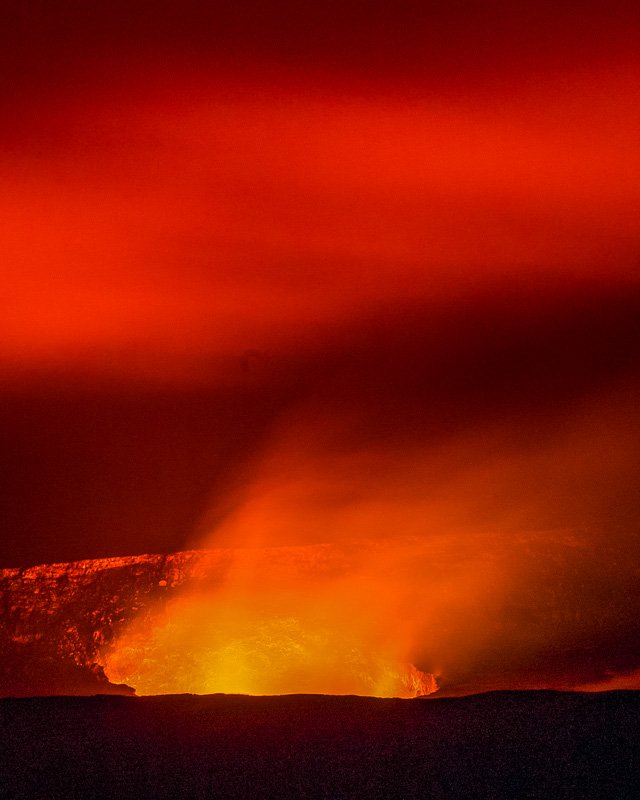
(55, 618)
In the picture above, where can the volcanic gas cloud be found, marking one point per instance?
(394, 569)
(353, 295)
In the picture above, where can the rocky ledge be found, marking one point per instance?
(55, 618)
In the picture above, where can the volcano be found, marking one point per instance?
(401, 618)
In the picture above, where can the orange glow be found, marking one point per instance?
(232, 217)
(281, 621)
(612, 682)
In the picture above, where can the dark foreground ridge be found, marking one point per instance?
(501, 744)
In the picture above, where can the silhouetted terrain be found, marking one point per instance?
(504, 744)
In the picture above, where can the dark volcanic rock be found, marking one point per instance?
(54, 618)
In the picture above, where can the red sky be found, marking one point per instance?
(398, 234)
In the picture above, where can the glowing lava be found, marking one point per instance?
(274, 628)
(244, 651)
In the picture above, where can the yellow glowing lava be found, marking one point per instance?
(271, 632)
(253, 654)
